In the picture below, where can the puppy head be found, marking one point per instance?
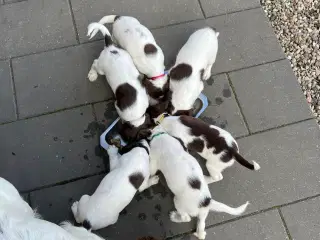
(132, 133)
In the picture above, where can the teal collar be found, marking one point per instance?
(157, 135)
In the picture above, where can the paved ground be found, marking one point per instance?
(51, 116)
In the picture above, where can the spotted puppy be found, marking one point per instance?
(185, 179)
(128, 174)
(19, 221)
(193, 65)
(122, 76)
(148, 57)
(214, 144)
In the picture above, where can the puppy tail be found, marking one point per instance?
(253, 166)
(108, 19)
(87, 225)
(94, 27)
(221, 207)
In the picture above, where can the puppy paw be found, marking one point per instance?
(185, 218)
(200, 235)
(112, 150)
(92, 75)
(175, 217)
(207, 74)
(154, 180)
(178, 218)
(217, 177)
(74, 208)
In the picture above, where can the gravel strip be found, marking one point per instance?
(296, 24)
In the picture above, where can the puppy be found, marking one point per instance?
(185, 179)
(122, 76)
(19, 222)
(128, 174)
(148, 57)
(193, 65)
(212, 143)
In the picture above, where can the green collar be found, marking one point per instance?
(157, 135)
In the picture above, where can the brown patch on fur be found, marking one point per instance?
(180, 72)
(130, 133)
(117, 17)
(205, 202)
(197, 145)
(194, 183)
(153, 91)
(235, 146)
(150, 49)
(126, 95)
(199, 128)
(184, 112)
(136, 179)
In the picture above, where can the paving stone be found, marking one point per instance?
(302, 219)
(280, 153)
(266, 225)
(56, 80)
(223, 109)
(218, 7)
(275, 97)
(245, 39)
(152, 13)
(7, 110)
(50, 149)
(12, 1)
(28, 27)
(145, 215)
(105, 112)
(54, 204)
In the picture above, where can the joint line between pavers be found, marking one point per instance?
(237, 100)
(8, 3)
(74, 22)
(63, 182)
(284, 224)
(203, 13)
(232, 12)
(14, 90)
(251, 66)
(275, 128)
(57, 111)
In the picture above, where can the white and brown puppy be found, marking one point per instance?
(122, 76)
(193, 65)
(19, 222)
(212, 143)
(148, 57)
(185, 179)
(128, 174)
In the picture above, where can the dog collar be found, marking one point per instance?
(159, 76)
(157, 135)
(163, 116)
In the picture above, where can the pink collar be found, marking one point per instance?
(156, 77)
(159, 76)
